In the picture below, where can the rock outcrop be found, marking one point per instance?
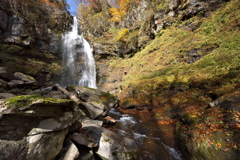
(29, 42)
(34, 127)
(27, 27)
(97, 102)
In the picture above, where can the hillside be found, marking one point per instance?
(178, 64)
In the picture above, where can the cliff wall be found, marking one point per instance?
(30, 34)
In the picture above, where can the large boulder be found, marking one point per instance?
(34, 127)
(94, 101)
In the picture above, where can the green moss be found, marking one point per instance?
(26, 101)
(106, 98)
(29, 77)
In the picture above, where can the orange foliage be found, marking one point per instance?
(121, 8)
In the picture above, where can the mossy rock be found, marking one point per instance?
(33, 105)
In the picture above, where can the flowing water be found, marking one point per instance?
(78, 60)
(154, 143)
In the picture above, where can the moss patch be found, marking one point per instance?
(25, 101)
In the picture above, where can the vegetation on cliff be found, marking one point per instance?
(30, 42)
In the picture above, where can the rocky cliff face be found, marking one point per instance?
(144, 22)
(30, 34)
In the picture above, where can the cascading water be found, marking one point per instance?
(78, 60)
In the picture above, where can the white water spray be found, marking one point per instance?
(78, 60)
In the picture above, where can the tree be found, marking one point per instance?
(120, 9)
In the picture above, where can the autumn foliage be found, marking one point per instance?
(121, 8)
(118, 8)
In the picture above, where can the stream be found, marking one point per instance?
(153, 143)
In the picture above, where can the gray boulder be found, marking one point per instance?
(24, 78)
(96, 102)
(34, 127)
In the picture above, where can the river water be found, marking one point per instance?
(154, 142)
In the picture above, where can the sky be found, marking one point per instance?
(73, 6)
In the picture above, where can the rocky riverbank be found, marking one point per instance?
(57, 123)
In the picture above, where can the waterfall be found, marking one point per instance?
(78, 60)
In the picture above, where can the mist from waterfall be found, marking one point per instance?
(78, 60)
